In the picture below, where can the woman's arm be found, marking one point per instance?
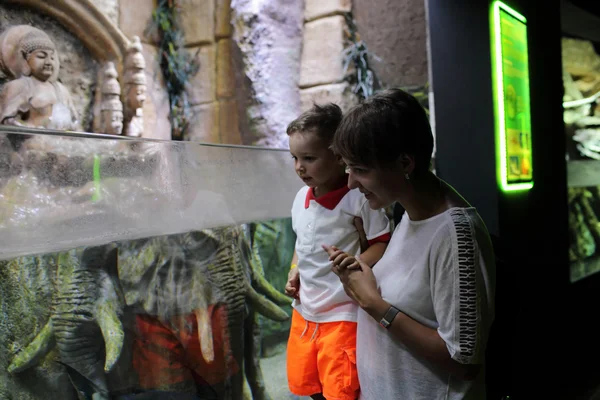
(419, 339)
(424, 342)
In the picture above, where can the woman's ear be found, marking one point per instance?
(407, 163)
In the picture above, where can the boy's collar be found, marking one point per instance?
(329, 200)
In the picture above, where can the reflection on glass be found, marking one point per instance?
(80, 191)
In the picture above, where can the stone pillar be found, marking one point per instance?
(396, 32)
(211, 93)
(321, 72)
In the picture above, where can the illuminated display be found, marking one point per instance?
(511, 98)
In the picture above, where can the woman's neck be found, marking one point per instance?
(424, 197)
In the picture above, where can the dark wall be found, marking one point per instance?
(540, 339)
(462, 91)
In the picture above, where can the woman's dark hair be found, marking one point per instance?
(320, 119)
(383, 127)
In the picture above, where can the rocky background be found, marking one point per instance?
(261, 62)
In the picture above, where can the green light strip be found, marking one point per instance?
(96, 172)
(497, 75)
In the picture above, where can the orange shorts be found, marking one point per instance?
(321, 358)
(163, 356)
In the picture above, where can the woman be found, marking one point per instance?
(427, 305)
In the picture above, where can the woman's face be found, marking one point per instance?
(377, 184)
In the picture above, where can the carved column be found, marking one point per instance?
(111, 106)
(135, 89)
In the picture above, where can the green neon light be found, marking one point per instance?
(510, 71)
(96, 172)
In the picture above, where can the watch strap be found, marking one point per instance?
(388, 317)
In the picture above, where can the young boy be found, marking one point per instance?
(321, 348)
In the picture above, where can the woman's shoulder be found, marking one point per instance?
(462, 229)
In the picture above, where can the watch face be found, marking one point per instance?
(384, 323)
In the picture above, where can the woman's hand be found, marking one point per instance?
(341, 259)
(359, 282)
(292, 287)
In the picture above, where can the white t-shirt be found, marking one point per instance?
(329, 220)
(440, 272)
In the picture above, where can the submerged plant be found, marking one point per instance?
(177, 65)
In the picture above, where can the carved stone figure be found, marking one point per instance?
(34, 97)
(112, 108)
(135, 89)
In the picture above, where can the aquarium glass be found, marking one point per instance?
(141, 269)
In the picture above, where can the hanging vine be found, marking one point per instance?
(365, 82)
(177, 65)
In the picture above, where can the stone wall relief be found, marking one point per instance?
(33, 97)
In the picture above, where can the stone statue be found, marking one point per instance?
(135, 89)
(34, 97)
(111, 108)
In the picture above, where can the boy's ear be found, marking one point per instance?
(339, 160)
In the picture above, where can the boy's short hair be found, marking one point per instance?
(388, 124)
(321, 119)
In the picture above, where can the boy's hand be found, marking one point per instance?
(292, 287)
(340, 259)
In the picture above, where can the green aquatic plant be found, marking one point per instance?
(177, 65)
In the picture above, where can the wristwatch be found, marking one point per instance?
(389, 316)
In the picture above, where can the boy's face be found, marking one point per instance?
(314, 162)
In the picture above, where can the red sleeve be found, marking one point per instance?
(380, 239)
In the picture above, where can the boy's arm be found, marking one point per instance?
(292, 287)
(373, 253)
(294, 258)
(362, 235)
(370, 254)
